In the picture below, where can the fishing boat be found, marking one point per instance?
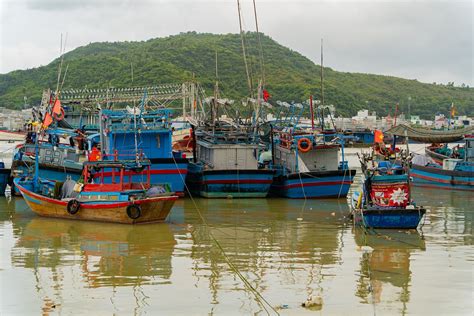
(226, 158)
(4, 177)
(453, 173)
(307, 163)
(126, 133)
(149, 133)
(385, 200)
(124, 200)
(308, 167)
(438, 152)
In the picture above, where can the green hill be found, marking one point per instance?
(289, 75)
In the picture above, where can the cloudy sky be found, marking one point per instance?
(428, 40)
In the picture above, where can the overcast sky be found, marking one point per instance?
(431, 41)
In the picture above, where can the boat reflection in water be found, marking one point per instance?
(107, 254)
(385, 264)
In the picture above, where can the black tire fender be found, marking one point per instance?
(134, 211)
(73, 206)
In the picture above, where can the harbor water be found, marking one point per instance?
(287, 250)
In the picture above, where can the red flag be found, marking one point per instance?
(378, 136)
(266, 95)
(57, 107)
(48, 119)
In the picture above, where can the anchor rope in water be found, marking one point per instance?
(258, 297)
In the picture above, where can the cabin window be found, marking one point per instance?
(158, 141)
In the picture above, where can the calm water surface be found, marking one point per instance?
(287, 250)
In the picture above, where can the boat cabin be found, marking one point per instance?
(151, 131)
(121, 176)
(227, 156)
(302, 153)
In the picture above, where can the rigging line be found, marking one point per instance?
(262, 62)
(243, 49)
(258, 297)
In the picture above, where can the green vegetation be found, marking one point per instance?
(289, 75)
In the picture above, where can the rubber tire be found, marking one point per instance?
(134, 211)
(73, 207)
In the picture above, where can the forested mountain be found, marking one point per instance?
(289, 75)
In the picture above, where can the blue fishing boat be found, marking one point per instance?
(454, 174)
(385, 200)
(147, 133)
(226, 158)
(123, 134)
(444, 171)
(309, 167)
(61, 153)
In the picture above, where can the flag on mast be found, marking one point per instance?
(378, 136)
(57, 107)
(48, 119)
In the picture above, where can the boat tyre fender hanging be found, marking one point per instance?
(134, 211)
(59, 116)
(73, 207)
(304, 145)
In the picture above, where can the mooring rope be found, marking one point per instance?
(258, 297)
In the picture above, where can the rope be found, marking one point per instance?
(258, 297)
(342, 183)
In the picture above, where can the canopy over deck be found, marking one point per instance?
(423, 135)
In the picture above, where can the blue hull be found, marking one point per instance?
(443, 179)
(311, 185)
(229, 183)
(4, 176)
(389, 218)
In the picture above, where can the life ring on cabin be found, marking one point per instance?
(134, 211)
(59, 116)
(301, 147)
(73, 207)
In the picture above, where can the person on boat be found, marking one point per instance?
(94, 154)
(80, 138)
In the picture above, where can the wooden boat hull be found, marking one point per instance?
(230, 183)
(442, 179)
(312, 185)
(154, 209)
(394, 218)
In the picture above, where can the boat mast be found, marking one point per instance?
(322, 88)
(249, 82)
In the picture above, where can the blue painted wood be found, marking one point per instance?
(389, 218)
(316, 185)
(228, 183)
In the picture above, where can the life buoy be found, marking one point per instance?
(308, 147)
(73, 207)
(59, 116)
(134, 211)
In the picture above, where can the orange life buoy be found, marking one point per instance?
(307, 148)
(60, 116)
